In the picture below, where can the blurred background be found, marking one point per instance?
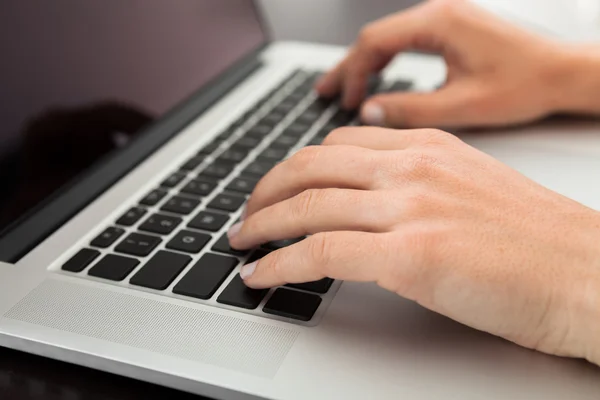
(338, 21)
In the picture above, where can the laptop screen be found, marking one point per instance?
(79, 79)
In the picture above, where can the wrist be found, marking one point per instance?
(589, 320)
(574, 80)
(584, 297)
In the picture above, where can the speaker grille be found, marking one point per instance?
(174, 330)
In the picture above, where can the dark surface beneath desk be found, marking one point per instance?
(25, 376)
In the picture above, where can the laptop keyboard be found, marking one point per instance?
(174, 239)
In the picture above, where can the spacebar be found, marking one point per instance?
(205, 277)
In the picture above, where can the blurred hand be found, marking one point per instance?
(497, 74)
(434, 220)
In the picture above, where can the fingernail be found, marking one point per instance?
(373, 114)
(234, 230)
(248, 269)
(244, 213)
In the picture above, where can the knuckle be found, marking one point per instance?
(447, 9)
(421, 163)
(304, 203)
(418, 204)
(305, 157)
(367, 37)
(437, 137)
(336, 136)
(274, 264)
(319, 249)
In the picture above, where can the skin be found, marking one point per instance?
(425, 215)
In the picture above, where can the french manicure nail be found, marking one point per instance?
(373, 114)
(244, 213)
(234, 230)
(248, 269)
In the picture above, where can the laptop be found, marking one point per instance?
(132, 134)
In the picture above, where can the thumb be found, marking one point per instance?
(443, 108)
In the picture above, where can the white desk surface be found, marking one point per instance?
(338, 21)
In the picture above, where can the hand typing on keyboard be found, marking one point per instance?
(497, 74)
(434, 220)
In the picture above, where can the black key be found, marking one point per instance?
(286, 106)
(316, 141)
(272, 154)
(174, 180)
(153, 197)
(189, 242)
(342, 117)
(320, 105)
(285, 142)
(217, 170)
(257, 255)
(259, 131)
(223, 136)
(161, 270)
(321, 286)
(227, 202)
(313, 77)
(273, 118)
(280, 244)
(242, 185)
(137, 244)
(308, 117)
(79, 261)
(247, 142)
(292, 304)
(161, 224)
(297, 95)
(233, 156)
(180, 205)
(208, 221)
(193, 163)
(296, 130)
(199, 187)
(373, 85)
(399, 86)
(205, 277)
(132, 216)
(210, 148)
(237, 294)
(222, 246)
(323, 133)
(108, 237)
(326, 130)
(114, 268)
(257, 169)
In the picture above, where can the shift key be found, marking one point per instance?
(205, 277)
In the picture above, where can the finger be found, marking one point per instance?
(352, 256)
(315, 167)
(377, 44)
(376, 138)
(331, 83)
(448, 107)
(314, 211)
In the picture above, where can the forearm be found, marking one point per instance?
(576, 76)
